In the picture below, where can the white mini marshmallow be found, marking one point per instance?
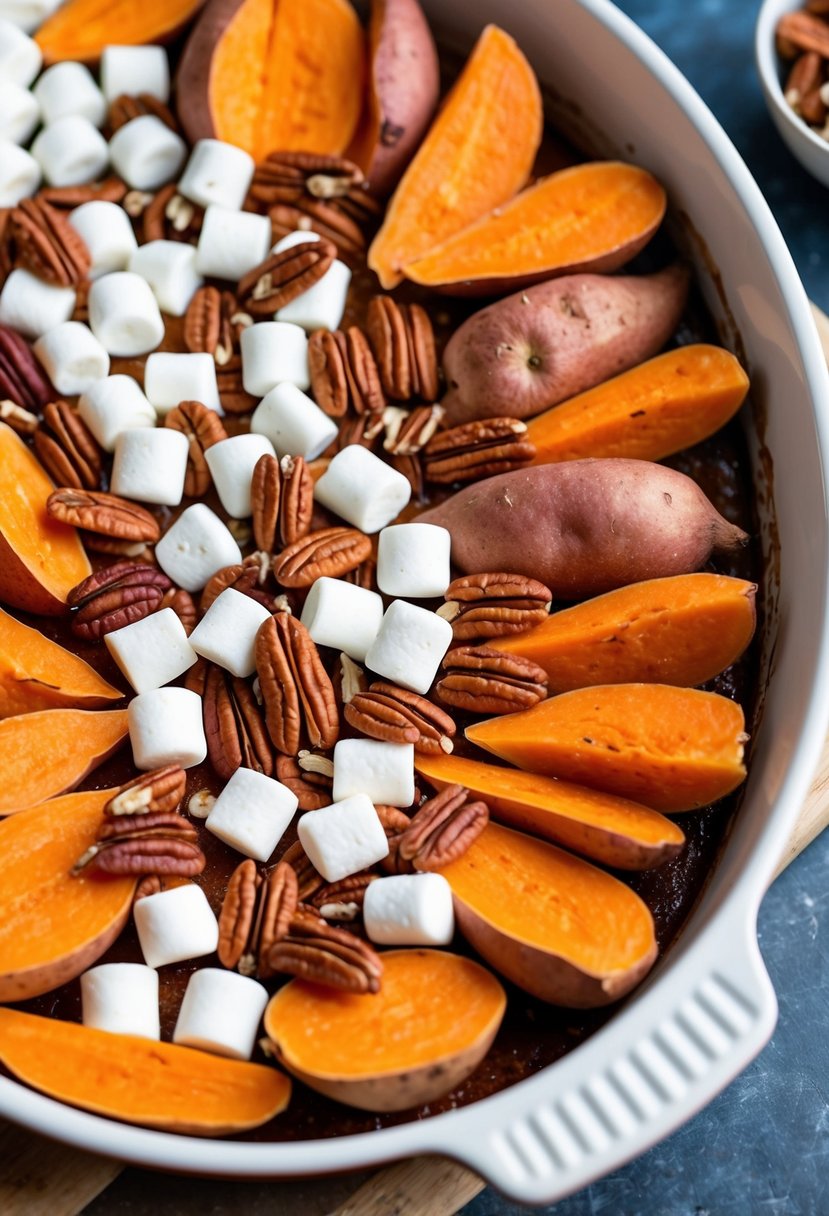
(231, 242)
(175, 925)
(170, 269)
(382, 771)
(165, 726)
(28, 14)
(409, 910)
(217, 172)
(133, 70)
(69, 88)
(413, 560)
(221, 1012)
(195, 547)
(227, 631)
(113, 405)
(146, 153)
(323, 304)
(107, 233)
(124, 315)
(153, 651)
(295, 424)
(19, 174)
(231, 463)
(121, 998)
(71, 151)
(342, 615)
(252, 813)
(20, 56)
(150, 464)
(31, 306)
(19, 115)
(72, 357)
(362, 489)
(171, 378)
(410, 645)
(343, 838)
(274, 352)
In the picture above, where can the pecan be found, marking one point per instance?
(327, 219)
(209, 327)
(494, 604)
(110, 190)
(47, 244)
(364, 429)
(290, 176)
(344, 372)
(66, 448)
(232, 393)
(483, 680)
(183, 606)
(284, 276)
(114, 596)
(308, 879)
(248, 576)
(126, 106)
(343, 900)
(202, 427)
(412, 469)
(804, 79)
(256, 912)
(17, 418)
(295, 687)
(408, 431)
(233, 726)
(282, 496)
(364, 575)
(393, 820)
(22, 379)
(399, 716)
(169, 216)
(802, 32)
(441, 831)
(333, 957)
(477, 449)
(150, 793)
(349, 679)
(330, 552)
(404, 345)
(160, 842)
(313, 790)
(137, 550)
(103, 513)
(195, 678)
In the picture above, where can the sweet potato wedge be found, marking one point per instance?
(80, 29)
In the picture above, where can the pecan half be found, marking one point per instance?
(22, 379)
(103, 513)
(494, 605)
(47, 244)
(233, 726)
(127, 106)
(18, 418)
(202, 427)
(477, 449)
(169, 216)
(232, 393)
(312, 790)
(160, 842)
(330, 552)
(67, 449)
(344, 372)
(343, 900)
(210, 326)
(183, 605)
(364, 429)
(150, 793)
(803, 32)
(308, 879)
(256, 912)
(284, 276)
(114, 596)
(136, 550)
(109, 190)
(394, 820)
(289, 176)
(441, 831)
(483, 680)
(282, 497)
(326, 218)
(399, 716)
(318, 952)
(408, 431)
(248, 576)
(404, 345)
(296, 689)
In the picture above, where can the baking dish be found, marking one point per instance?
(708, 1008)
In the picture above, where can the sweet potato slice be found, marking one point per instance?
(36, 673)
(556, 926)
(122, 1076)
(674, 749)
(603, 827)
(592, 217)
(426, 1030)
(683, 630)
(477, 154)
(52, 750)
(80, 29)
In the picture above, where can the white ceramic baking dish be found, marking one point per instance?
(707, 1009)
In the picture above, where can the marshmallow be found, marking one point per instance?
(299, 237)
(107, 234)
(175, 925)
(410, 645)
(121, 998)
(342, 615)
(195, 547)
(231, 463)
(171, 378)
(150, 464)
(113, 405)
(384, 772)
(72, 357)
(20, 56)
(133, 70)
(227, 631)
(170, 269)
(19, 174)
(217, 173)
(68, 88)
(323, 304)
(409, 910)
(146, 153)
(221, 1012)
(27, 14)
(231, 242)
(31, 306)
(413, 560)
(165, 726)
(123, 314)
(252, 813)
(71, 151)
(19, 115)
(295, 425)
(274, 352)
(343, 838)
(153, 651)
(361, 488)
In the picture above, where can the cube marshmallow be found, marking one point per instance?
(409, 910)
(121, 998)
(362, 489)
(175, 925)
(165, 726)
(342, 615)
(383, 771)
(195, 547)
(343, 838)
(227, 632)
(221, 1012)
(113, 405)
(153, 651)
(231, 463)
(409, 646)
(251, 813)
(150, 465)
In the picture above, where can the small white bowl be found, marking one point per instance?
(810, 149)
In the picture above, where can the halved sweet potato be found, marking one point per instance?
(80, 29)
(614, 831)
(424, 1032)
(556, 926)
(122, 1076)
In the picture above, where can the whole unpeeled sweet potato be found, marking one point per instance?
(540, 346)
(585, 527)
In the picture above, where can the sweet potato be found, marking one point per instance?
(80, 29)
(535, 348)
(585, 527)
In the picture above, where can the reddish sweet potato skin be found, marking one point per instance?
(193, 75)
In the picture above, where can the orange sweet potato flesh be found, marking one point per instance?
(41, 560)
(476, 155)
(122, 1076)
(36, 673)
(673, 749)
(54, 926)
(605, 828)
(649, 412)
(426, 1030)
(555, 925)
(682, 630)
(80, 29)
(51, 751)
(592, 217)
